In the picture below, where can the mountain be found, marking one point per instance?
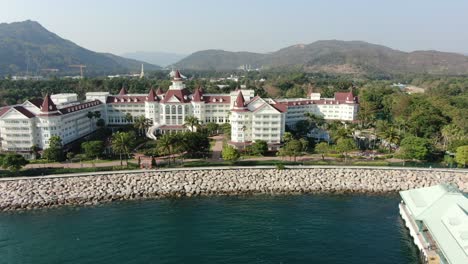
(29, 46)
(157, 58)
(333, 56)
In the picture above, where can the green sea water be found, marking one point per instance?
(252, 229)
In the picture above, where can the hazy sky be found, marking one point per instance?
(186, 26)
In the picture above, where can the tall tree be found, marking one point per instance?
(192, 122)
(344, 146)
(122, 143)
(55, 150)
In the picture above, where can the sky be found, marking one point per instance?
(186, 26)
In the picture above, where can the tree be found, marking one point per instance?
(345, 145)
(55, 150)
(122, 143)
(13, 162)
(128, 118)
(461, 156)
(414, 148)
(287, 136)
(212, 128)
(391, 136)
(450, 133)
(165, 145)
(141, 123)
(226, 128)
(292, 148)
(194, 144)
(192, 122)
(229, 153)
(322, 148)
(259, 147)
(35, 151)
(93, 149)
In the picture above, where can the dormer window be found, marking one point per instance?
(214, 100)
(115, 100)
(122, 100)
(135, 100)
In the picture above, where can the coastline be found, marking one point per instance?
(24, 193)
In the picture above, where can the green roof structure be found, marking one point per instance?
(442, 211)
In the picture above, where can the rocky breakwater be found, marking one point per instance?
(87, 190)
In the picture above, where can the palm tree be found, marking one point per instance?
(141, 123)
(191, 121)
(121, 144)
(128, 118)
(90, 115)
(165, 145)
(391, 136)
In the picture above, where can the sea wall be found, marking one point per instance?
(41, 192)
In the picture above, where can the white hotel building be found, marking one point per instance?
(251, 117)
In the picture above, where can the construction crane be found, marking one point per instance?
(81, 66)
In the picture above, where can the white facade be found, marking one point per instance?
(251, 117)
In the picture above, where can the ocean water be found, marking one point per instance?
(247, 229)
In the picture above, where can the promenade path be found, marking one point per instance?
(217, 148)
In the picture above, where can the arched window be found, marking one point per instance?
(179, 110)
(173, 110)
(167, 109)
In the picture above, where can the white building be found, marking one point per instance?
(252, 118)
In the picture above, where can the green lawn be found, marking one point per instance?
(49, 171)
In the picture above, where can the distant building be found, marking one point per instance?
(252, 118)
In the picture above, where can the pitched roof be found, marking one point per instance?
(159, 91)
(217, 99)
(3, 110)
(123, 91)
(177, 75)
(152, 97)
(344, 96)
(78, 107)
(181, 95)
(240, 102)
(280, 107)
(48, 105)
(24, 111)
(197, 95)
(37, 102)
(126, 99)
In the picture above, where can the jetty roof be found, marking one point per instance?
(444, 211)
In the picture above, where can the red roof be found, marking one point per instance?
(240, 102)
(152, 97)
(177, 75)
(126, 99)
(159, 91)
(4, 110)
(215, 99)
(197, 95)
(344, 96)
(37, 102)
(78, 107)
(123, 91)
(24, 111)
(280, 107)
(48, 105)
(181, 95)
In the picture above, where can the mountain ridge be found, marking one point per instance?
(333, 56)
(27, 45)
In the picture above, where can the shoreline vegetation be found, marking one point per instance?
(91, 189)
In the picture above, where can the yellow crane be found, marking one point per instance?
(81, 66)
